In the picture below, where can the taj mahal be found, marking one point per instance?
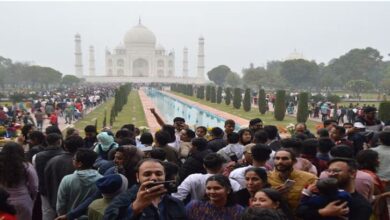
(138, 59)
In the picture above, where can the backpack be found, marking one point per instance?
(104, 154)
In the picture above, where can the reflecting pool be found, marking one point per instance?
(194, 116)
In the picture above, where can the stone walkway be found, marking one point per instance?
(147, 104)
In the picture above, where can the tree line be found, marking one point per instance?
(214, 94)
(358, 70)
(24, 75)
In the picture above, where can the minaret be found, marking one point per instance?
(78, 56)
(185, 62)
(91, 61)
(201, 59)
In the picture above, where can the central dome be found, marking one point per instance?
(140, 35)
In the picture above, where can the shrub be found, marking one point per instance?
(384, 111)
(303, 110)
(246, 103)
(237, 98)
(280, 105)
(228, 96)
(208, 88)
(213, 98)
(261, 102)
(219, 95)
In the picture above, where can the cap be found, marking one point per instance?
(112, 185)
(359, 125)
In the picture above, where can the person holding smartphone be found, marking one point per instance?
(287, 180)
(148, 199)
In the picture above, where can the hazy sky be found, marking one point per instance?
(236, 33)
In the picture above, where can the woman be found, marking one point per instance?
(19, 179)
(255, 180)
(125, 159)
(368, 161)
(271, 199)
(245, 136)
(219, 203)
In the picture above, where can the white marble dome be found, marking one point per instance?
(140, 35)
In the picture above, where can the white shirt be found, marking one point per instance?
(195, 184)
(239, 175)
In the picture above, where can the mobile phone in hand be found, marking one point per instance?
(289, 183)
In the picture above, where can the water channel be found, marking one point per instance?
(170, 108)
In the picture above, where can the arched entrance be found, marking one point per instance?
(140, 67)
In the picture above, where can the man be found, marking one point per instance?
(78, 186)
(40, 160)
(229, 128)
(146, 201)
(186, 135)
(161, 142)
(60, 166)
(369, 120)
(217, 142)
(288, 180)
(260, 155)
(300, 128)
(255, 125)
(195, 184)
(354, 134)
(384, 155)
(358, 208)
(273, 137)
(338, 136)
(39, 117)
(194, 162)
(329, 123)
(90, 136)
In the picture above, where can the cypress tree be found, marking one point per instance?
(303, 109)
(228, 96)
(201, 92)
(219, 95)
(105, 119)
(246, 103)
(384, 111)
(261, 102)
(213, 97)
(208, 88)
(280, 105)
(237, 98)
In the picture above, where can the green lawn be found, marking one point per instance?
(132, 113)
(268, 118)
(368, 95)
(360, 103)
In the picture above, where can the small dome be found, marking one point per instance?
(140, 35)
(160, 47)
(295, 56)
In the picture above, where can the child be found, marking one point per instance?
(328, 192)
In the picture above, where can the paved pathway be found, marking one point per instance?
(147, 104)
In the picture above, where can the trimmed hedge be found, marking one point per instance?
(219, 95)
(261, 102)
(237, 98)
(213, 98)
(280, 105)
(208, 88)
(384, 111)
(228, 96)
(303, 109)
(246, 103)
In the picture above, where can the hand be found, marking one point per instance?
(283, 189)
(334, 209)
(146, 195)
(62, 217)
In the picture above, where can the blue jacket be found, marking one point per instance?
(169, 208)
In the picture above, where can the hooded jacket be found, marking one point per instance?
(75, 188)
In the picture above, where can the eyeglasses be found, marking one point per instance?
(335, 171)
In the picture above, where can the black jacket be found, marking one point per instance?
(41, 159)
(193, 164)
(216, 144)
(118, 208)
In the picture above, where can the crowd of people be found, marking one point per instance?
(341, 171)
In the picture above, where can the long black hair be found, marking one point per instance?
(275, 196)
(4, 205)
(12, 165)
(224, 182)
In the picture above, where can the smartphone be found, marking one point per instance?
(167, 184)
(289, 183)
